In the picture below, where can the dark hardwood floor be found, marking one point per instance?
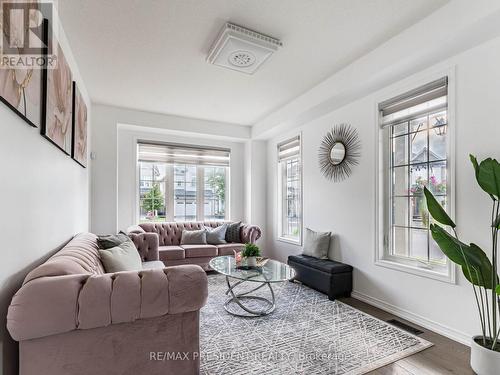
(445, 357)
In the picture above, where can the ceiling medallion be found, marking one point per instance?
(241, 49)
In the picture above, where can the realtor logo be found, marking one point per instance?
(26, 33)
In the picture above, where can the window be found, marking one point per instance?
(290, 191)
(214, 193)
(182, 183)
(416, 153)
(185, 192)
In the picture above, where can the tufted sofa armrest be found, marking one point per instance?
(147, 244)
(250, 233)
(57, 304)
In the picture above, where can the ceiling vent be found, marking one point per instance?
(241, 49)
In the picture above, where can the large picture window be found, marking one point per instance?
(290, 190)
(415, 153)
(182, 183)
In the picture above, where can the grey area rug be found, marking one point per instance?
(306, 334)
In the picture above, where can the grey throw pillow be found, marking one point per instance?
(121, 258)
(216, 236)
(194, 237)
(111, 240)
(316, 244)
(233, 232)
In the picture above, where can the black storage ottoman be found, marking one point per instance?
(327, 276)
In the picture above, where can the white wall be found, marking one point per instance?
(256, 185)
(113, 172)
(127, 170)
(348, 208)
(44, 200)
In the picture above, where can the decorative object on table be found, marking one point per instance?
(237, 257)
(476, 266)
(250, 253)
(21, 89)
(233, 232)
(259, 263)
(57, 126)
(339, 152)
(79, 147)
(316, 244)
(217, 235)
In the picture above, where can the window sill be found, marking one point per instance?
(290, 241)
(448, 277)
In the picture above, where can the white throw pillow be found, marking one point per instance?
(316, 244)
(121, 258)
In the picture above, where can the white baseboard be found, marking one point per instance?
(441, 329)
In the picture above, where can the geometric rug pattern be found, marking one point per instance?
(306, 334)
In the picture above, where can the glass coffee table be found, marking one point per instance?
(272, 272)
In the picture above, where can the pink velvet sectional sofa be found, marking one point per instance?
(72, 318)
(162, 241)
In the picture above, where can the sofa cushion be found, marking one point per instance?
(325, 265)
(228, 248)
(121, 258)
(153, 264)
(196, 251)
(233, 232)
(194, 237)
(216, 236)
(171, 253)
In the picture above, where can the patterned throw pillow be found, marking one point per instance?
(194, 237)
(108, 241)
(233, 232)
(216, 236)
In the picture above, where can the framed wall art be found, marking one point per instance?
(79, 148)
(58, 123)
(21, 89)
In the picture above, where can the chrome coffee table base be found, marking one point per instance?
(239, 299)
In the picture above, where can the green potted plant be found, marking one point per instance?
(250, 253)
(476, 266)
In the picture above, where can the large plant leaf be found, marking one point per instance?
(488, 177)
(449, 245)
(481, 273)
(471, 258)
(498, 290)
(475, 164)
(436, 210)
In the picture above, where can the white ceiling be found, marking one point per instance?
(150, 54)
